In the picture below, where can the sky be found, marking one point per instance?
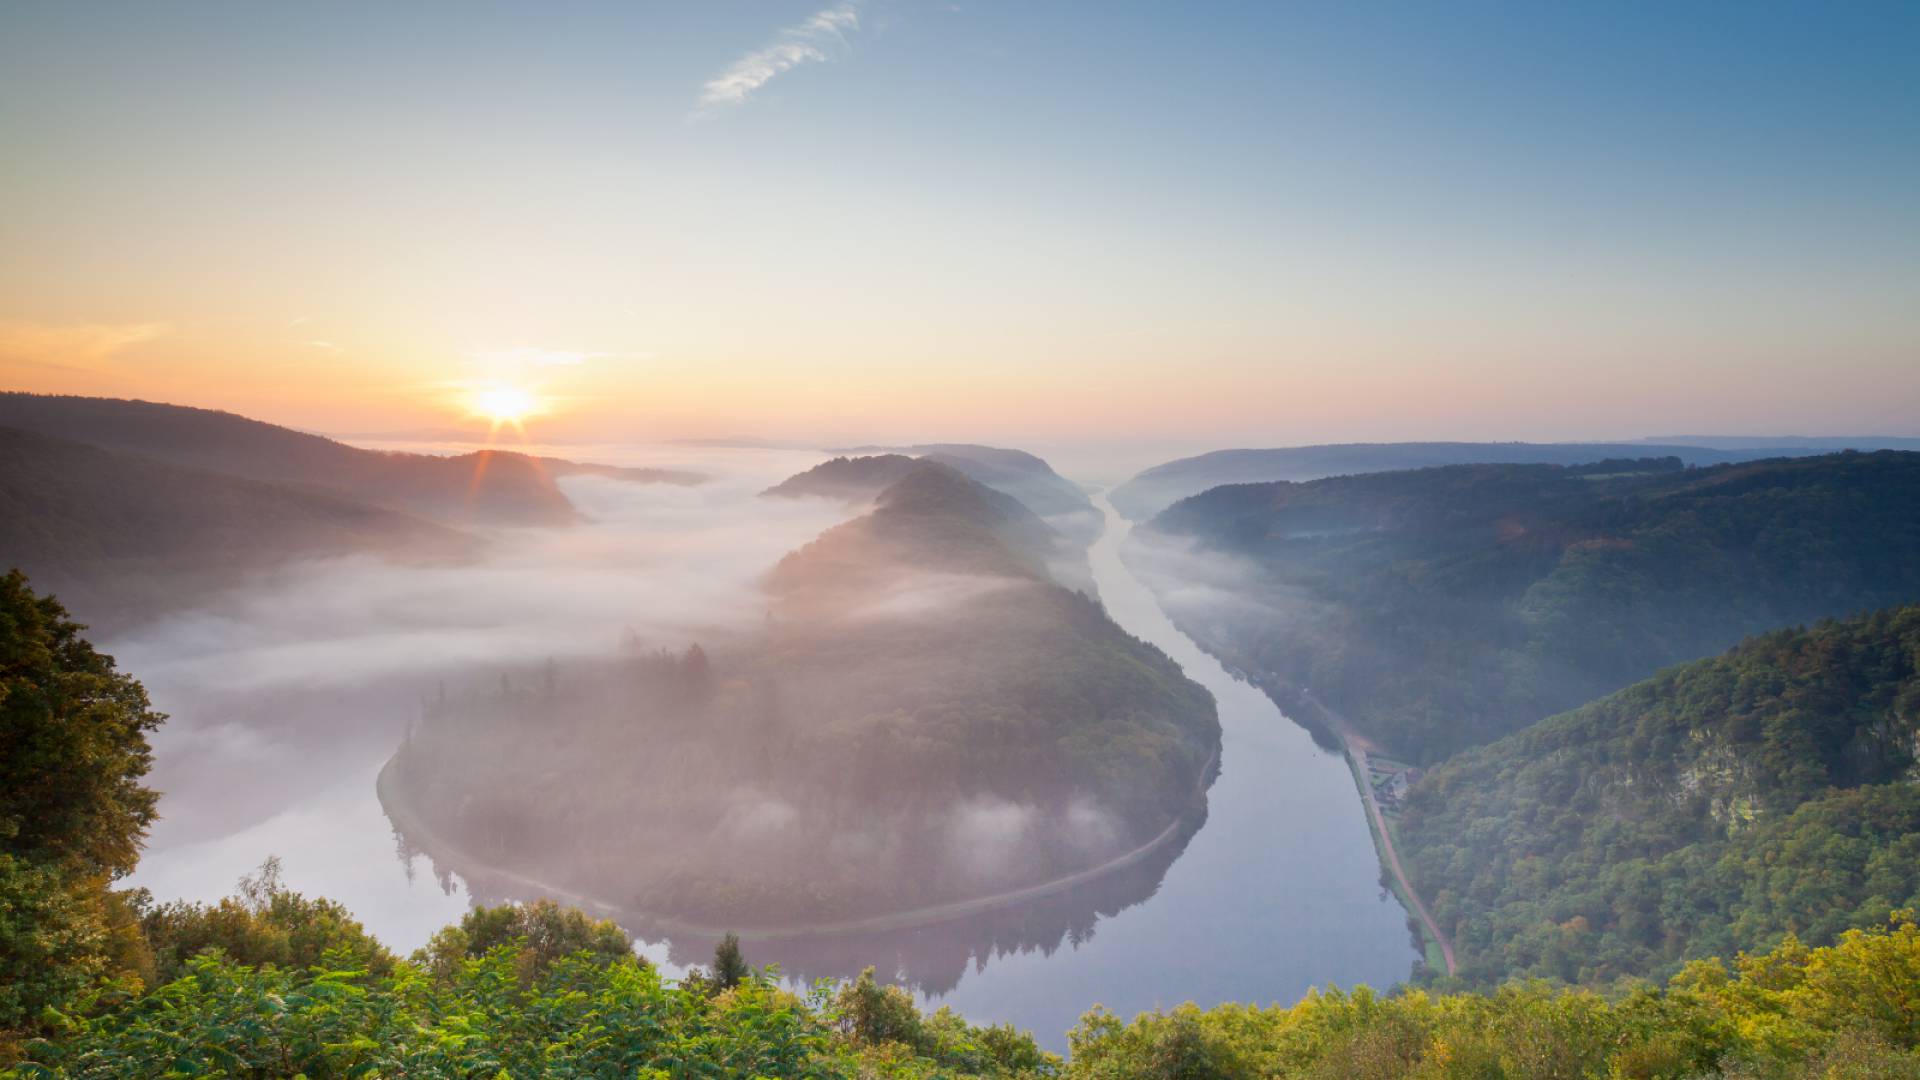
(888, 220)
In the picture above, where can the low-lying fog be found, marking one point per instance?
(284, 701)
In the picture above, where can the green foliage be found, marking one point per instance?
(73, 743)
(51, 942)
(1850, 1010)
(266, 924)
(578, 1015)
(73, 748)
(541, 932)
(729, 967)
(884, 1024)
(1442, 608)
(1716, 807)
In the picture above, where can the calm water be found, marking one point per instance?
(1276, 891)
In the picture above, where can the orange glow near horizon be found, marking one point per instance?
(963, 242)
(499, 403)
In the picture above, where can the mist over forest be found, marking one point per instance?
(881, 540)
(875, 708)
(925, 718)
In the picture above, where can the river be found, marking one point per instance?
(1275, 892)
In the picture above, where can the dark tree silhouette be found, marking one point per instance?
(729, 967)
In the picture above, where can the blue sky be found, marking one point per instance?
(1276, 222)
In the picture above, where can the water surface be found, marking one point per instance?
(1275, 891)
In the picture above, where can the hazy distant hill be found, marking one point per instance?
(1703, 812)
(863, 479)
(1155, 489)
(1440, 608)
(1789, 443)
(931, 518)
(854, 479)
(925, 718)
(496, 487)
(1016, 472)
(120, 537)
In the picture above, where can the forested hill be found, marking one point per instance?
(497, 487)
(121, 537)
(1024, 476)
(97, 982)
(1155, 489)
(934, 508)
(1441, 608)
(853, 479)
(924, 718)
(1016, 472)
(930, 519)
(1710, 809)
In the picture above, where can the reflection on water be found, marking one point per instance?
(933, 958)
(1274, 891)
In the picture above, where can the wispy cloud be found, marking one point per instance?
(812, 42)
(327, 346)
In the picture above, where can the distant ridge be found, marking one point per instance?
(1024, 476)
(1790, 442)
(932, 517)
(483, 487)
(1056, 544)
(1443, 607)
(854, 479)
(1155, 489)
(121, 538)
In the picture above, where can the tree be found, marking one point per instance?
(729, 967)
(267, 923)
(542, 932)
(873, 1014)
(696, 672)
(73, 747)
(73, 743)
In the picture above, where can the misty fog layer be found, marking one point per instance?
(924, 718)
(287, 697)
(278, 733)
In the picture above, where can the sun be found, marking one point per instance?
(503, 404)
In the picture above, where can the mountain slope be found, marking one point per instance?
(120, 537)
(1155, 489)
(1441, 608)
(1710, 809)
(489, 486)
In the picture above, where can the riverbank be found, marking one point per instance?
(483, 877)
(1356, 748)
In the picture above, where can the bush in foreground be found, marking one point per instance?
(1848, 1011)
